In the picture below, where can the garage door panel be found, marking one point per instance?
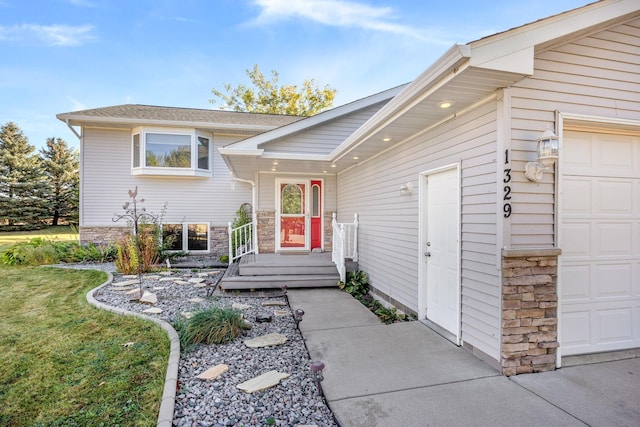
(615, 198)
(578, 239)
(614, 239)
(576, 196)
(612, 280)
(577, 282)
(599, 276)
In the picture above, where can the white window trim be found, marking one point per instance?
(185, 236)
(193, 171)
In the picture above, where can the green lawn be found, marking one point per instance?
(66, 363)
(59, 233)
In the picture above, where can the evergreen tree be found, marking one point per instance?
(22, 185)
(61, 169)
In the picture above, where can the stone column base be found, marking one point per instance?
(529, 311)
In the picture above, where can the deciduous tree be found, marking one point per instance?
(266, 96)
(61, 168)
(22, 186)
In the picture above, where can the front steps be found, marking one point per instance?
(274, 270)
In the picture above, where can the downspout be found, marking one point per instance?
(73, 130)
(254, 215)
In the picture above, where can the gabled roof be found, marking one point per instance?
(466, 76)
(129, 115)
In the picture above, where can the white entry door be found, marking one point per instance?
(441, 251)
(599, 273)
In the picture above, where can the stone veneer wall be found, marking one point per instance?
(219, 241)
(101, 235)
(328, 232)
(266, 231)
(529, 311)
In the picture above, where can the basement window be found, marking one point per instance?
(188, 237)
(173, 153)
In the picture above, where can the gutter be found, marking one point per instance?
(75, 132)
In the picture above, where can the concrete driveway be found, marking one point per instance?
(407, 375)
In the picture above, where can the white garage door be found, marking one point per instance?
(599, 236)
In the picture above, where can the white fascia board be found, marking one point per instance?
(513, 50)
(226, 151)
(323, 117)
(297, 156)
(92, 120)
(445, 68)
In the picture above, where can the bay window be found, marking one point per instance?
(170, 152)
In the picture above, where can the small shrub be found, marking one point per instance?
(212, 326)
(224, 259)
(39, 251)
(356, 285)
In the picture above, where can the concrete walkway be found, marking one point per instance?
(407, 375)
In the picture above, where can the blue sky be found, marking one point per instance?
(63, 55)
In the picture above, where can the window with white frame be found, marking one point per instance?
(170, 152)
(188, 237)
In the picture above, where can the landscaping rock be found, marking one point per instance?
(273, 303)
(266, 341)
(196, 280)
(281, 313)
(153, 310)
(262, 382)
(214, 372)
(149, 298)
(239, 306)
(263, 318)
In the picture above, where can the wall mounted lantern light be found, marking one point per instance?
(406, 189)
(547, 156)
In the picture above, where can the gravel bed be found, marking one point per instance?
(295, 401)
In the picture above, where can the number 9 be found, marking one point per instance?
(507, 210)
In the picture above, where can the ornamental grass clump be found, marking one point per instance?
(212, 326)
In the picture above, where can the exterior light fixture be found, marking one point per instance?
(445, 103)
(333, 165)
(275, 162)
(284, 289)
(386, 139)
(316, 368)
(547, 156)
(298, 316)
(355, 157)
(406, 189)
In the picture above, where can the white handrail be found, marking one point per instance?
(242, 241)
(345, 243)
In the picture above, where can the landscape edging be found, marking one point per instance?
(165, 415)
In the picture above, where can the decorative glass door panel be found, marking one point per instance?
(293, 227)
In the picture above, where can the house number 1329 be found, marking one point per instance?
(506, 208)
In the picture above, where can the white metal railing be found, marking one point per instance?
(345, 243)
(242, 241)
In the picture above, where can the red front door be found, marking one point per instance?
(316, 214)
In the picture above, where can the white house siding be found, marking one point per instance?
(106, 179)
(388, 233)
(597, 75)
(323, 138)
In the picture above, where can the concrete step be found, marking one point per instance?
(281, 265)
(276, 281)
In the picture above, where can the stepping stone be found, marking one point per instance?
(167, 279)
(152, 277)
(152, 310)
(130, 276)
(240, 306)
(204, 274)
(273, 303)
(196, 300)
(133, 291)
(165, 273)
(266, 341)
(181, 282)
(262, 382)
(126, 283)
(196, 280)
(200, 285)
(159, 288)
(187, 314)
(214, 372)
(281, 313)
(149, 298)
(122, 289)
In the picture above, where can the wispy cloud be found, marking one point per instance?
(54, 35)
(76, 105)
(337, 13)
